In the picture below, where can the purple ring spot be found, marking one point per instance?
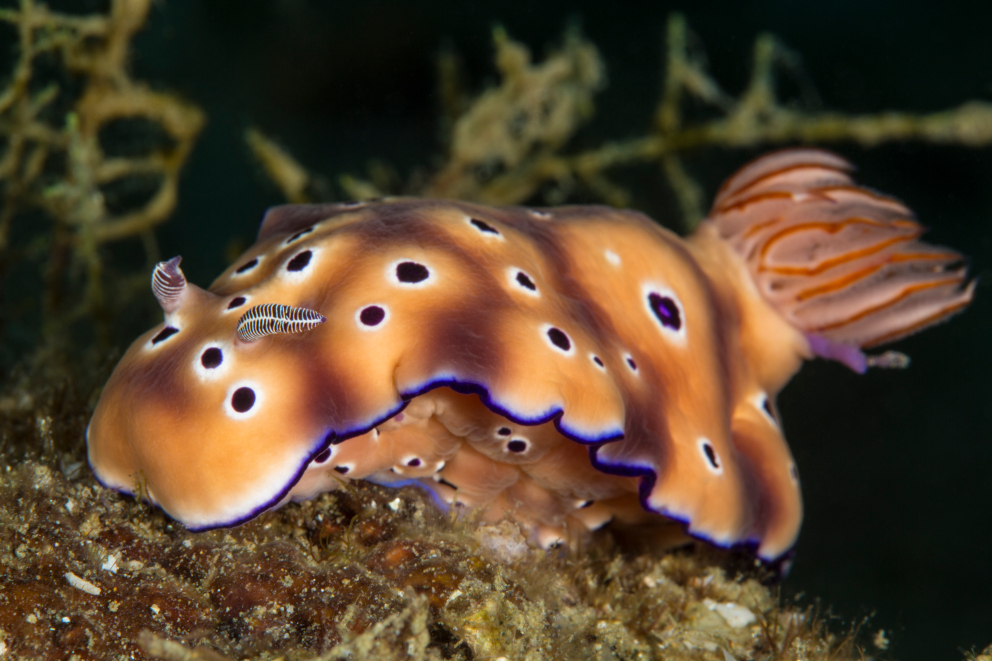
(413, 463)
(666, 310)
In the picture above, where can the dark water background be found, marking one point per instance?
(895, 465)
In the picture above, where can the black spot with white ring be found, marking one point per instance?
(299, 234)
(411, 272)
(247, 266)
(414, 462)
(342, 469)
(599, 362)
(236, 302)
(484, 227)
(212, 358)
(525, 281)
(518, 445)
(504, 431)
(322, 456)
(630, 362)
(243, 399)
(164, 334)
(710, 455)
(559, 339)
(372, 315)
(299, 261)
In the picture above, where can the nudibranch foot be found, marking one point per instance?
(569, 367)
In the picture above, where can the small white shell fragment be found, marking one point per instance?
(110, 564)
(396, 504)
(82, 584)
(737, 616)
(69, 505)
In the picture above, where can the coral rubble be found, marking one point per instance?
(364, 573)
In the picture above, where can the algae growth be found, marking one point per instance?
(92, 158)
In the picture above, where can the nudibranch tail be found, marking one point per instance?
(838, 260)
(168, 284)
(272, 318)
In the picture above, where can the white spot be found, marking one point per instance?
(543, 215)
(514, 277)
(546, 329)
(393, 278)
(678, 336)
(599, 365)
(612, 257)
(206, 373)
(396, 504)
(255, 407)
(82, 584)
(710, 456)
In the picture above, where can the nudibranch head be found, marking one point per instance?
(568, 366)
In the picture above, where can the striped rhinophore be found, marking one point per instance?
(271, 318)
(168, 283)
(837, 259)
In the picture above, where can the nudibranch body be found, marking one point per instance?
(564, 366)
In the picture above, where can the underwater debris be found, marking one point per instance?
(97, 153)
(506, 146)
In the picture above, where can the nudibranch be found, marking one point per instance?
(565, 366)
